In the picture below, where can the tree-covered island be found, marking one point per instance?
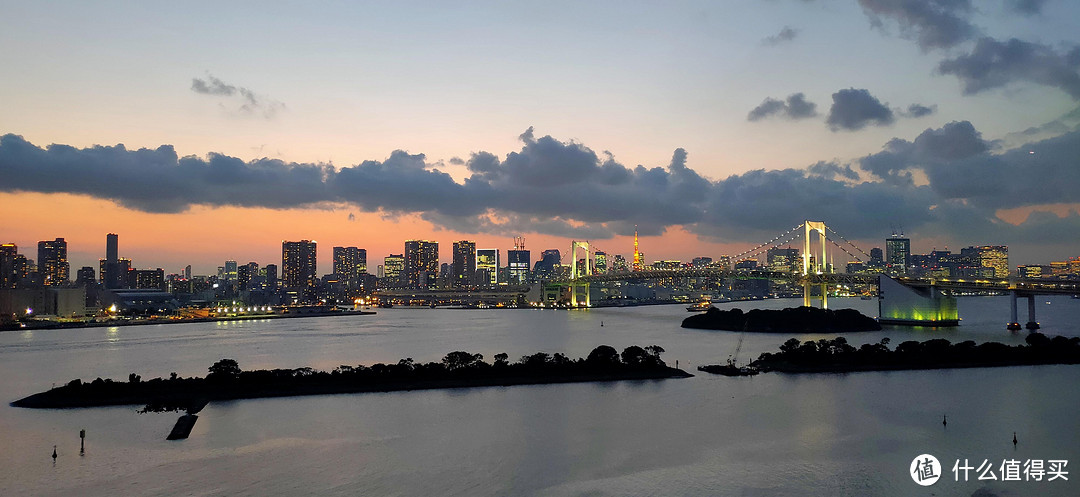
(226, 381)
(836, 355)
(791, 320)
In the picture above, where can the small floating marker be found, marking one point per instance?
(82, 442)
(601, 324)
(53, 453)
(1014, 439)
(945, 421)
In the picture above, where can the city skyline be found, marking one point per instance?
(707, 127)
(893, 250)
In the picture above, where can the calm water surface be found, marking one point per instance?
(774, 434)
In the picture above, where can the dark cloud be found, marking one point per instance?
(931, 23)
(457, 161)
(831, 170)
(786, 34)
(1026, 7)
(796, 107)
(248, 102)
(854, 109)
(962, 183)
(952, 142)
(960, 165)
(919, 110)
(995, 64)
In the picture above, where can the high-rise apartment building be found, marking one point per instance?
(393, 270)
(349, 264)
(298, 268)
(8, 252)
(421, 263)
(53, 268)
(464, 263)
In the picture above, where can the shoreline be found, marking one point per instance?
(787, 368)
(148, 322)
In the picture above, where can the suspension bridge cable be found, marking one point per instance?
(849, 243)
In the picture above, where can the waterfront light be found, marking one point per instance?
(29, 311)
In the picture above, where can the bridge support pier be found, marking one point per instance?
(1014, 321)
(574, 300)
(807, 298)
(1031, 325)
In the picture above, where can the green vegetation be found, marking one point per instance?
(801, 319)
(457, 369)
(837, 355)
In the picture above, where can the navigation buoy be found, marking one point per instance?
(945, 420)
(1014, 439)
(54, 453)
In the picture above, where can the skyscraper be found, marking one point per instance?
(995, 257)
(550, 259)
(897, 253)
(232, 276)
(783, 259)
(393, 269)
(8, 251)
(464, 264)
(52, 262)
(271, 271)
(112, 247)
(114, 274)
(421, 263)
(487, 266)
(601, 262)
(298, 268)
(349, 264)
(518, 262)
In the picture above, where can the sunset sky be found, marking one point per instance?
(206, 131)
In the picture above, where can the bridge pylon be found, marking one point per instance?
(578, 271)
(810, 227)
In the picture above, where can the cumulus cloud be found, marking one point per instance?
(995, 64)
(786, 34)
(244, 102)
(933, 24)
(796, 107)
(854, 109)
(564, 188)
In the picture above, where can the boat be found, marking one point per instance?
(729, 369)
(702, 306)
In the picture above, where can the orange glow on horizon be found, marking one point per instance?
(205, 237)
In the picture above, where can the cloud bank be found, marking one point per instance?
(566, 189)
